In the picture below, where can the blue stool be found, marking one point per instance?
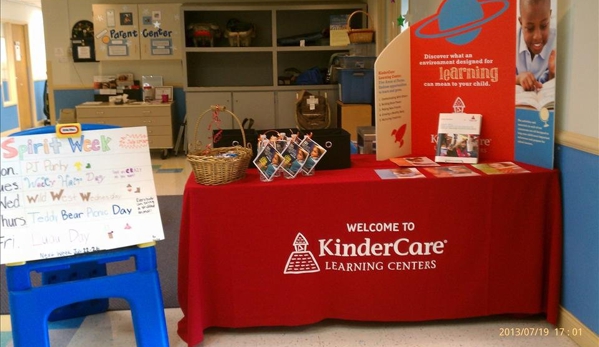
(30, 307)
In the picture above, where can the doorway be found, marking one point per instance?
(16, 76)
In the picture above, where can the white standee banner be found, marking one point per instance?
(66, 196)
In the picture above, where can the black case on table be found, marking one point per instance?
(336, 141)
(338, 145)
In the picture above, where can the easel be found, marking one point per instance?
(68, 281)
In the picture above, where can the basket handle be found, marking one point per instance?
(220, 108)
(353, 13)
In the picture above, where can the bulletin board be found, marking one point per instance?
(68, 196)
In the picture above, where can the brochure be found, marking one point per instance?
(457, 138)
(399, 173)
(294, 157)
(451, 171)
(504, 167)
(414, 161)
(315, 152)
(268, 161)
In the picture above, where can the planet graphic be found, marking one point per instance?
(459, 21)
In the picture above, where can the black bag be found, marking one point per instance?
(312, 112)
(233, 137)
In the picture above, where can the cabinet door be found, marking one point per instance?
(160, 31)
(116, 31)
(286, 109)
(257, 105)
(196, 104)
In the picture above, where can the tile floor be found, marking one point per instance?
(114, 328)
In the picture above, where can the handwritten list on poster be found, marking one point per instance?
(67, 196)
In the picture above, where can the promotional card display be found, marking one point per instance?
(464, 50)
(287, 155)
(457, 138)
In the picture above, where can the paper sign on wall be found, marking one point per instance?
(62, 197)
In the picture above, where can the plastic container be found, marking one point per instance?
(356, 86)
(363, 49)
(357, 62)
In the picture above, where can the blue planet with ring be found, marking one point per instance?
(460, 21)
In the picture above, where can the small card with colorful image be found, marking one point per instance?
(414, 161)
(504, 167)
(315, 153)
(294, 159)
(399, 173)
(451, 171)
(268, 161)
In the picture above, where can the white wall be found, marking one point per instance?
(32, 16)
(578, 67)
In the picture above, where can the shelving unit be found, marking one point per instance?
(246, 79)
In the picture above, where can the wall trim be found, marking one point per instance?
(581, 142)
(567, 321)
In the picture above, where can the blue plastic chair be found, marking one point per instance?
(79, 285)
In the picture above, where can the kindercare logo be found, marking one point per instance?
(401, 254)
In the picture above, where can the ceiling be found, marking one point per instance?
(35, 3)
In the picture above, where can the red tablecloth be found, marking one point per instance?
(283, 253)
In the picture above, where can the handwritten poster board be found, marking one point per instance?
(460, 59)
(67, 196)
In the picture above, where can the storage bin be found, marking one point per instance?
(363, 49)
(356, 86)
(356, 62)
(367, 140)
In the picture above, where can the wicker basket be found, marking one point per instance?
(209, 166)
(359, 35)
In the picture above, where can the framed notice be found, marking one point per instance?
(67, 196)
(160, 91)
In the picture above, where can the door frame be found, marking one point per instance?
(21, 70)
